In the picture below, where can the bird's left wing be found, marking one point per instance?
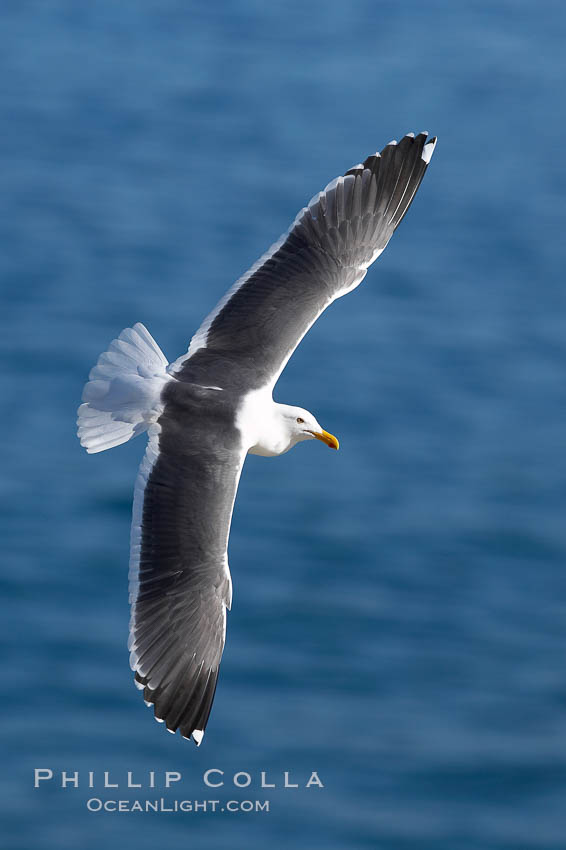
(250, 335)
(180, 584)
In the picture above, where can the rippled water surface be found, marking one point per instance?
(399, 617)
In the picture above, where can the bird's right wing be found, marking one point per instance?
(250, 335)
(180, 584)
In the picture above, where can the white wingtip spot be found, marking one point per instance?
(428, 151)
(392, 142)
(198, 735)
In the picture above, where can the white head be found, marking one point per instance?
(271, 429)
(298, 425)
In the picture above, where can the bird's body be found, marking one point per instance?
(206, 411)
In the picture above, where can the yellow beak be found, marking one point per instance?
(327, 438)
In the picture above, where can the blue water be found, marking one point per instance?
(399, 617)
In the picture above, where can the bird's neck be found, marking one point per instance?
(262, 425)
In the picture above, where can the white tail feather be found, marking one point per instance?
(123, 395)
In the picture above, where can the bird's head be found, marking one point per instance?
(301, 425)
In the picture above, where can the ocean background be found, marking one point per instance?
(399, 616)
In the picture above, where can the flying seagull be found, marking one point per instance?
(207, 410)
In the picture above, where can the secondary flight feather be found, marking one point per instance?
(210, 408)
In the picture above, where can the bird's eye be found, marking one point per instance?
(300, 421)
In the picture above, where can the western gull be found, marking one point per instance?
(207, 410)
